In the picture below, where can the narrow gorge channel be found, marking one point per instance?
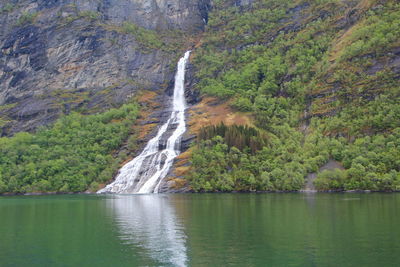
(145, 173)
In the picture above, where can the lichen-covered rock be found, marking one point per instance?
(58, 56)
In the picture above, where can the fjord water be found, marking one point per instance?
(201, 230)
(144, 173)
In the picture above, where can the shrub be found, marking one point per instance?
(27, 18)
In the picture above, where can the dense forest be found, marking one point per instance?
(71, 156)
(320, 79)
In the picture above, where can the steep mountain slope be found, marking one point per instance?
(58, 56)
(75, 63)
(307, 92)
(319, 78)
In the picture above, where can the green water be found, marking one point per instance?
(201, 230)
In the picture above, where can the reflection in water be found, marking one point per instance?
(150, 222)
(257, 230)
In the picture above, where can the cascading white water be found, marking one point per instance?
(145, 173)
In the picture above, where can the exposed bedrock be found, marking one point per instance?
(74, 55)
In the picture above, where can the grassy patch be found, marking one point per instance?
(7, 8)
(27, 18)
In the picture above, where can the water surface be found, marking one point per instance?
(201, 230)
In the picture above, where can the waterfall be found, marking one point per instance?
(145, 173)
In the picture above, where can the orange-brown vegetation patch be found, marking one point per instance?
(146, 96)
(345, 39)
(211, 111)
(183, 158)
(144, 130)
(365, 4)
(178, 183)
(181, 168)
(146, 100)
(181, 171)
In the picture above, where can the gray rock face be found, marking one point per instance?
(74, 54)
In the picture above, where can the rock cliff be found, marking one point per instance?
(57, 56)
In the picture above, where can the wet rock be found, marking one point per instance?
(174, 185)
(187, 141)
(192, 95)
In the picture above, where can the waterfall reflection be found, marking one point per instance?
(150, 222)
